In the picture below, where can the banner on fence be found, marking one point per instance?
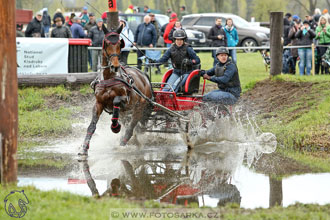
(42, 56)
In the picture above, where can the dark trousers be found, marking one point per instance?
(123, 57)
(294, 64)
(320, 52)
(140, 53)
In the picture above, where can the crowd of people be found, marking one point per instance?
(303, 33)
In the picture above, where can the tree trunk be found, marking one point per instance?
(249, 9)
(276, 47)
(219, 5)
(8, 93)
(234, 8)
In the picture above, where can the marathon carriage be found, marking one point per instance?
(128, 95)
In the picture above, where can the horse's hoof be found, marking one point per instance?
(83, 153)
(116, 129)
(123, 142)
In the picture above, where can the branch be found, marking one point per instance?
(301, 4)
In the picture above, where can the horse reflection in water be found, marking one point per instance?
(176, 180)
(120, 91)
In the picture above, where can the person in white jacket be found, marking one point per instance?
(126, 33)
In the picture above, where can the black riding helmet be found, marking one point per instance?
(179, 34)
(222, 50)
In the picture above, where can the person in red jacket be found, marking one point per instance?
(168, 29)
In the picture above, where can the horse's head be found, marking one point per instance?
(111, 47)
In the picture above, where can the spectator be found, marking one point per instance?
(232, 38)
(168, 29)
(129, 10)
(35, 27)
(96, 34)
(305, 37)
(225, 74)
(91, 22)
(145, 36)
(60, 31)
(323, 37)
(84, 16)
(128, 36)
(294, 51)
(146, 9)
(87, 27)
(155, 23)
(311, 21)
(76, 28)
(46, 21)
(177, 26)
(183, 11)
(19, 29)
(70, 21)
(58, 13)
(169, 12)
(326, 14)
(183, 57)
(104, 17)
(286, 28)
(218, 36)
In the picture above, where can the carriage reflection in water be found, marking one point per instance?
(194, 177)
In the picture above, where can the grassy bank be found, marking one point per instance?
(62, 205)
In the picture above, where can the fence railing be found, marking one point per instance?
(312, 46)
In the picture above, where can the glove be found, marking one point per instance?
(201, 73)
(187, 62)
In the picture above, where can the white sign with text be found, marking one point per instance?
(42, 56)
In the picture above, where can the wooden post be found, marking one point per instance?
(275, 192)
(276, 46)
(313, 59)
(8, 92)
(112, 15)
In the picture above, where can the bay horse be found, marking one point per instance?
(119, 91)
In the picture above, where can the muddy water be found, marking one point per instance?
(159, 167)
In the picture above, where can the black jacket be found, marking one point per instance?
(145, 34)
(286, 29)
(33, 28)
(213, 35)
(97, 36)
(61, 32)
(306, 39)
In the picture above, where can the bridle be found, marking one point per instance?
(114, 39)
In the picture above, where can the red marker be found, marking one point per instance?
(112, 4)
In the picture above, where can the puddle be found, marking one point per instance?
(160, 168)
(253, 188)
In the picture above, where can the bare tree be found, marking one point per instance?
(234, 8)
(328, 2)
(312, 5)
(219, 5)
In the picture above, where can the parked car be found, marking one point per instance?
(249, 36)
(195, 38)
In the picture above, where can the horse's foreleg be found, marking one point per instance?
(136, 117)
(115, 127)
(97, 110)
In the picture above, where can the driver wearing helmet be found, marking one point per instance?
(225, 74)
(183, 59)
